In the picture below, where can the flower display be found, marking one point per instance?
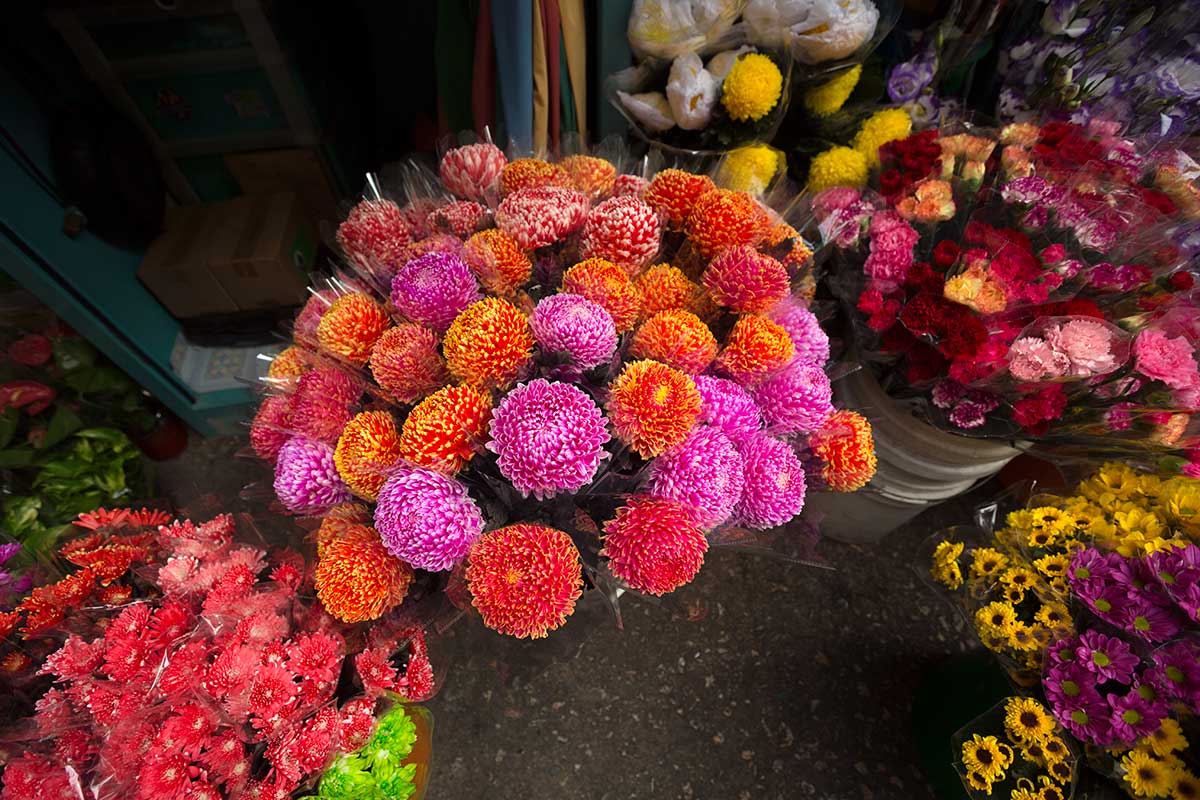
(543, 403)
(350, 327)
(1015, 749)
(752, 87)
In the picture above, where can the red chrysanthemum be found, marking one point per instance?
(541, 216)
(320, 406)
(471, 171)
(674, 192)
(652, 407)
(406, 364)
(724, 218)
(665, 288)
(446, 429)
(368, 446)
(272, 690)
(291, 363)
(524, 579)
(653, 545)
(271, 427)
(356, 723)
(374, 230)
(678, 339)
(163, 775)
(357, 579)
(745, 280)
(846, 449)
(756, 347)
(489, 343)
(462, 218)
(350, 327)
(497, 261)
(606, 285)
(591, 175)
(531, 173)
(624, 230)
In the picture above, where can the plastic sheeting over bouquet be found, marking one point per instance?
(538, 376)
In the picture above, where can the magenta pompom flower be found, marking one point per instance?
(541, 215)
(623, 230)
(703, 473)
(549, 436)
(471, 171)
(427, 519)
(804, 329)
(774, 483)
(795, 400)
(575, 326)
(306, 479)
(434, 289)
(728, 407)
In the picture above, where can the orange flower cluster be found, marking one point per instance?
(444, 430)
(652, 407)
(844, 445)
(675, 338)
(357, 580)
(369, 444)
(350, 327)
(606, 285)
(489, 343)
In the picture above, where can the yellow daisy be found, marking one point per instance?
(1187, 786)
(945, 564)
(987, 756)
(1053, 616)
(987, 562)
(1014, 594)
(1049, 791)
(1021, 520)
(978, 781)
(1166, 740)
(1018, 576)
(1026, 720)
(1055, 749)
(1061, 771)
(1053, 565)
(1026, 638)
(1146, 775)
(996, 619)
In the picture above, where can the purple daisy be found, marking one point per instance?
(574, 325)
(1106, 600)
(1147, 618)
(1133, 716)
(727, 406)
(1176, 671)
(1088, 717)
(9, 550)
(306, 479)
(549, 436)
(433, 289)
(795, 400)
(703, 473)
(804, 329)
(774, 483)
(1064, 683)
(1109, 658)
(427, 519)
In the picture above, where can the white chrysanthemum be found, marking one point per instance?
(651, 109)
(691, 92)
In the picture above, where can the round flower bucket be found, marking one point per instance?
(919, 466)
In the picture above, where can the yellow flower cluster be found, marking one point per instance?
(1033, 762)
(1154, 766)
(837, 166)
(828, 98)
(751, 168)
(752, 88)
(879, 129)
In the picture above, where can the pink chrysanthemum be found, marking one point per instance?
(524, 579)
(549, 437)
(271, 427)
(434, 289)
(471, 171)
(653, 545)
(321, 405)
(541, 216)
(374, 230)
(607, 285)
(575, 326)
(406, 362)
(797, 399)
(627, 185)
(304, 329)
(804, 329)
(462, 218)
(306, 479)
(703, 473)
(728, 407)
(427, 519)
(745, 280)
(623, 230)
(774, 488)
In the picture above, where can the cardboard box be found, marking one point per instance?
(293, 170)
(248, 254)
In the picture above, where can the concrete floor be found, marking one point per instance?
(764, 681)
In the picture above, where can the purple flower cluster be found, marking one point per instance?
(966, 408)
(12, 585)
(1136, 595)
(1110, 278)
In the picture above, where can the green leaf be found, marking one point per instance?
(111, 436)
(73, 353)
(16, 457)
(9, 420)
(98, 380)
(62, 424)
(21, 516)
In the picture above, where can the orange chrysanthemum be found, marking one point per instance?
(745, 280)
(847, 450)
(797, 257)
(678, 339)
(406, 363)
(497, 261)
(351, 325)
(652, 407)
(606, 285)
(724, 218)
(665, 288)
(524, 579)
(337, 519)
(529, 173)
(291, 363)
(357, 579)
(368, 447)
(674, 192)
(488, 343)
(591, 175)
(444, 431)
(756, 347)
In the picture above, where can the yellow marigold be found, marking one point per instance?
(879, 129)
(828, 98)
(752, 88)
(751, 168)
(945, 564)
(837, 166)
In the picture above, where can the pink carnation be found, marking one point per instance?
(1033, 359)
(1087, 343)
(1164, 358)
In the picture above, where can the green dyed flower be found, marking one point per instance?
(348, 778)
(398, 785)
(392, 740)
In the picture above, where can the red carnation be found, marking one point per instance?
(1182, 280)
(924, 363)
(922, 278)
(1035, 412)
(945, 254)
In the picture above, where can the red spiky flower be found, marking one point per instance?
(653, 545)
(446, 429)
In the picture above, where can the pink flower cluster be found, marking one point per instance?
(1078, 348)
(892, 242)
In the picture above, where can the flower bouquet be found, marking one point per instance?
(1015, 750)
(1030, 282)
(177, 661)
(1089, 600)
(590, 393)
